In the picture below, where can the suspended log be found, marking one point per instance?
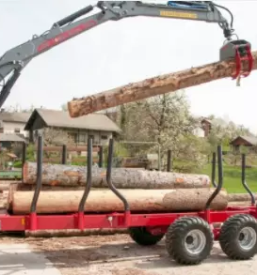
(104, 201)
(69, 175)
(154, 86)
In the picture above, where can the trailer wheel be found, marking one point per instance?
(141, 236)
(189, 240)
(238, 237)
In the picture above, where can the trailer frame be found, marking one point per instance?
(155, 224)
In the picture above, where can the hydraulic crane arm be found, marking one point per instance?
(14, 60)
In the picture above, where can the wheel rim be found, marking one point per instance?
(195, 241)
(247, 238)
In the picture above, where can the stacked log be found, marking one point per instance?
(75, 176)
(145, 191)
(241, 197)
(105, 201)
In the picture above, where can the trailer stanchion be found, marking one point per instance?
(213, 174)
(23, 160)
(33, 208)
(112, 187)
(24, 149)
(169, 161)
(100, 155)
(244, 181)
(88, 185)
(218, 188)
(64, 154)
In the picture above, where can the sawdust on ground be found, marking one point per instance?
(76, 255)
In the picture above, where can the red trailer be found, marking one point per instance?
(189, 236)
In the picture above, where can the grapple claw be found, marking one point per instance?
(240, 50)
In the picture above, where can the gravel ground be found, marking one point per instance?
(118, 255)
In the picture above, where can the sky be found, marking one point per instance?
(117, 53)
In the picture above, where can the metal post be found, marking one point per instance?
(244, 180)
(24, 149)
(64, 154)
(23, 160)
(109, 176)
(169, 161)
(33, 207)
(100, 157)
(220, 179)
(213, 173)
(159, 156)
(87, 186)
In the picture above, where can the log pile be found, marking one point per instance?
(145, 191)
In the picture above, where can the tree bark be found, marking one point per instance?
(104, 201)
(5, 185)
(65, 175)
(154, 86)
(240, 197)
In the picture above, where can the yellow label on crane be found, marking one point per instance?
(179, 14)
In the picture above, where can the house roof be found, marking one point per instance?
(249, 139)
(11, 138)
(56, 118)
(206, 120)
(14, 117)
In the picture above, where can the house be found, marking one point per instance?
(199, 132)
(246, 141)
(206, 125)
(98, 126)
(12, 129)
(14, 123)
(8, 140)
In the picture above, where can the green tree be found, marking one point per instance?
(165, 120)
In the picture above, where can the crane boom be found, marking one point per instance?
(14, 60)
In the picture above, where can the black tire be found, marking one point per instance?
(231, 237)
(141, 236)
(178, 239)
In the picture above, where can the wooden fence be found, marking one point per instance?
(97, 154)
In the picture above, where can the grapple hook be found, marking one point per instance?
(240, 50)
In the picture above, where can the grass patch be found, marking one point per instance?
(232, 178)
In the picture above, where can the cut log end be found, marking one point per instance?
(73, 109)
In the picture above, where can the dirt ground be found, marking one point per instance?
(118, 255)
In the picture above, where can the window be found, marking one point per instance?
(82, 138)
(74, 137)
(104, 137)
(17, 130)
(1, 129)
